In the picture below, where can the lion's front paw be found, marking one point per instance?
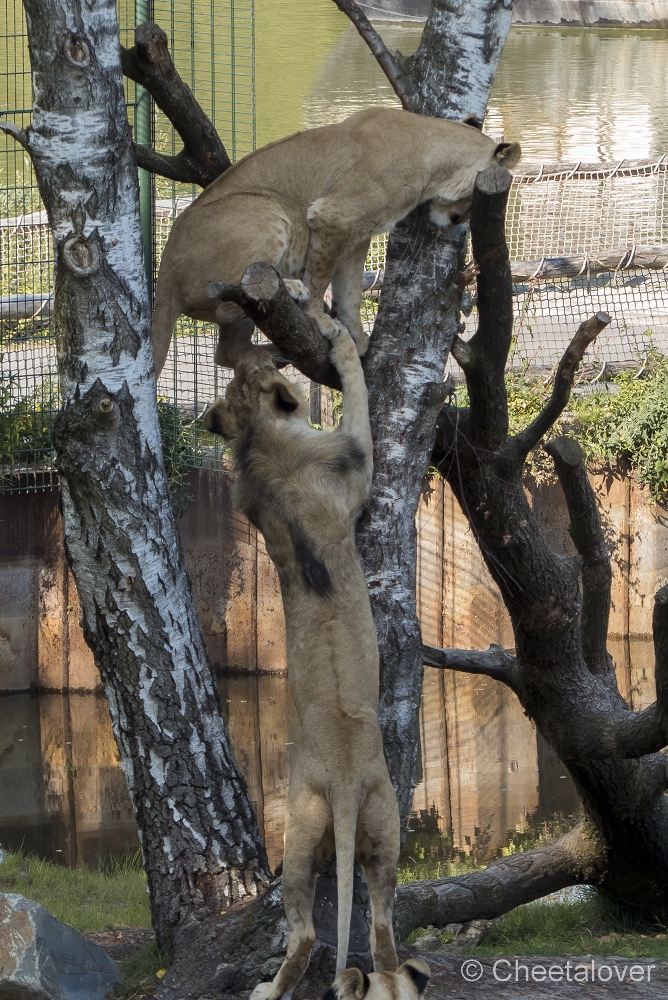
(297, 289)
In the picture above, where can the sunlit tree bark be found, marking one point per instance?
(201, 846)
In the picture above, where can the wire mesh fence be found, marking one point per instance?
(213, 48)
(582, 237)
(585, 238)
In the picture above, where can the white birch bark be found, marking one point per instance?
(200, 841)
(453, 70)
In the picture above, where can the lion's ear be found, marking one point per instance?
(418, 971)
(286, 397)
(473, 122)
(220, 419)
(351, 984)
(507, 154)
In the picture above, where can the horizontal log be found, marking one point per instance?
(633, 258)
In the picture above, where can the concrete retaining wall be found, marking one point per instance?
(593, 13)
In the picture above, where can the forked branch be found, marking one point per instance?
(265, 299)
(203, 157)
(389, 63)
(587, 332)
(587, 534)
(632, 735)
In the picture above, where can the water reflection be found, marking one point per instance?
(566, 93)
(485, 776)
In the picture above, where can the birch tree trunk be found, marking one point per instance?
(451, 76)
(201, 846)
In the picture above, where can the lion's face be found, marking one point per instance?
(257, 392)
(408, 983)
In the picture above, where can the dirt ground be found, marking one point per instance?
(449, 982)
(123, 943)
(609, 978)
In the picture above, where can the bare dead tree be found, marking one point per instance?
(561, 671)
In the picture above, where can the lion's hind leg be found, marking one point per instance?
(378, 853)
(309, 841)
(347, 293)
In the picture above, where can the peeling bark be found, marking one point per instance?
(200, 841)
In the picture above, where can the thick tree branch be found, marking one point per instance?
(483, 357)
(150, 64)
(507, 883)
(587, 332)
(587, 534)
(265, 299)
(637, 734)
(391, 64)
(495, 662)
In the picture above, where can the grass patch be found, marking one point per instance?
(429, 853)
(586, 924)
(139, 973)
(109, 898)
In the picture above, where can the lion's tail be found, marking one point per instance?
(345, 808)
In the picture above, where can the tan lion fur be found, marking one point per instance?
(309, 205)
(304, 490)
(409, 982)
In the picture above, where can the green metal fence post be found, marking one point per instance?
(144, 136)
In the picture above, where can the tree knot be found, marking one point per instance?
(81, 255)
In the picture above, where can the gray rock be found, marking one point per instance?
(474, 932)
(44, 959)
(429, 943)
(453, 929)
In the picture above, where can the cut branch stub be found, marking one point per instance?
(203, 157)
(152, 45)
(483, 358)
(18, 134)
(77, 51)
(82, 256)
(495, 662)
(264, 298)
(587, 332)
(587, 534)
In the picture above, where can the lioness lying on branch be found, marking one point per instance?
(309, 205)
(304, 490)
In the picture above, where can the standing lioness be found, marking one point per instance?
(304, 490)
(309, 205)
